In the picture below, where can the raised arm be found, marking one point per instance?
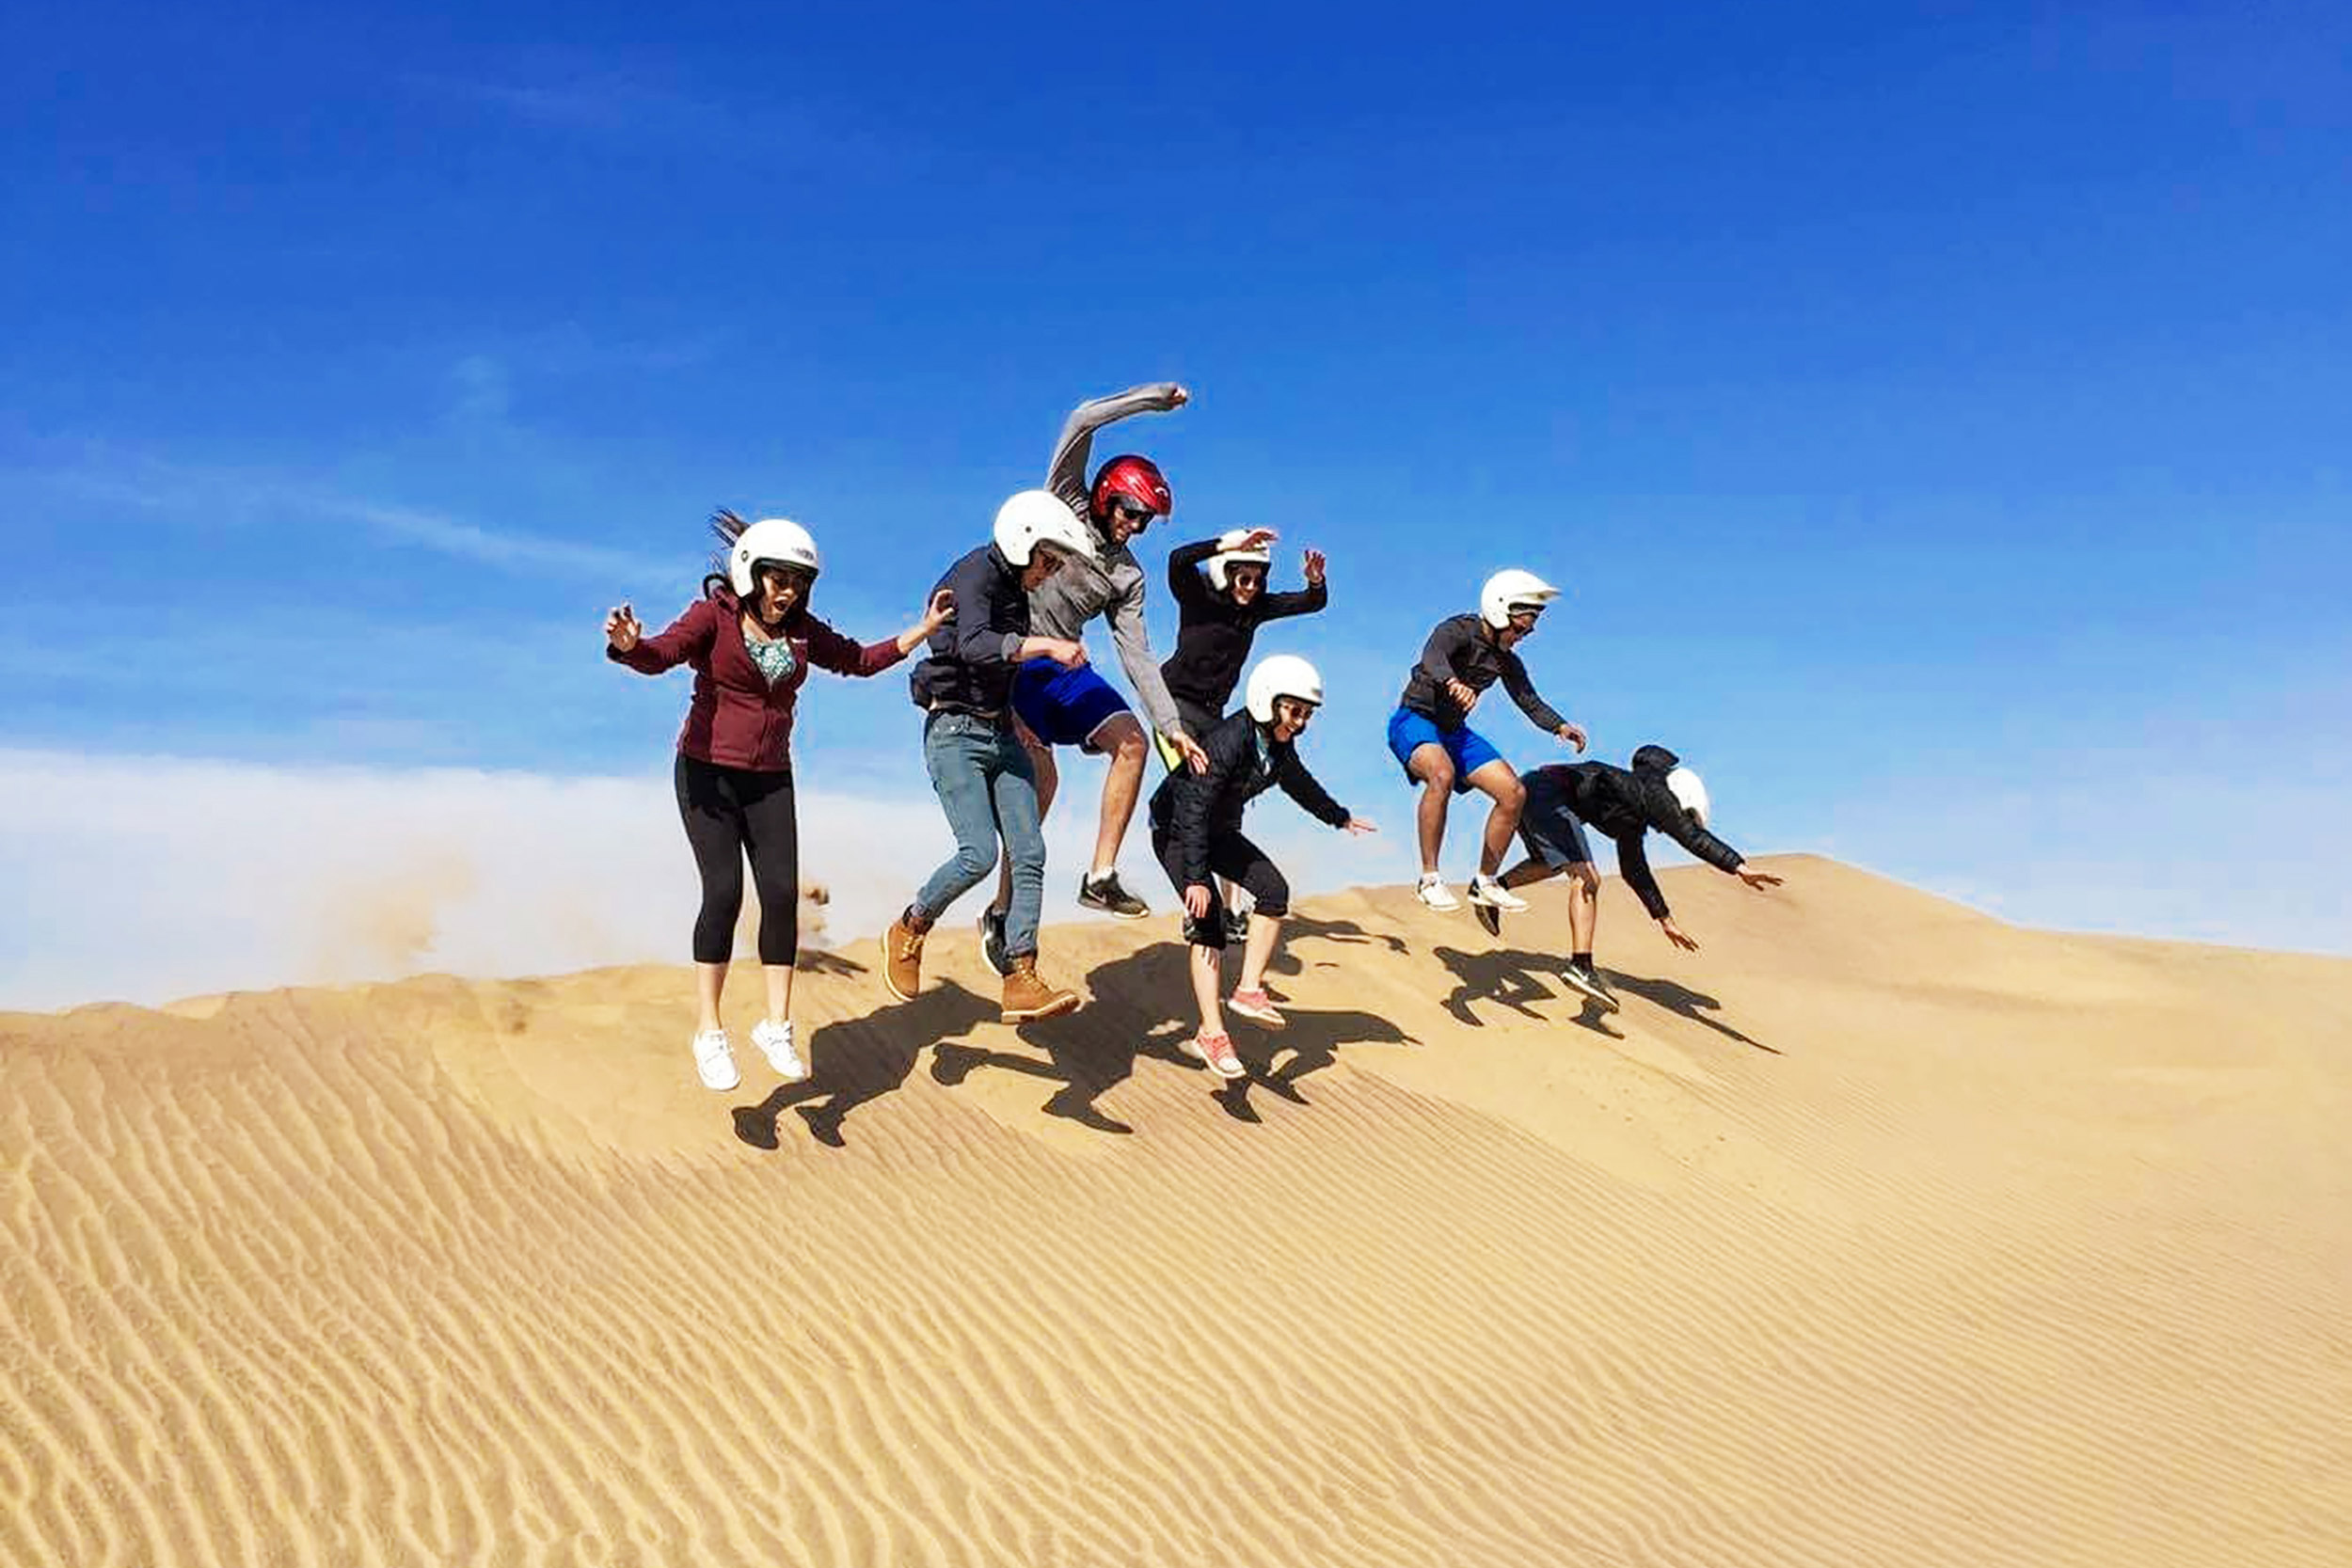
(685, 638)
(1184, 574)
(1066, 476)
(1305, 602)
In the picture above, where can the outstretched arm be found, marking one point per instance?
(1303, 787)
(689, 635)
(1522, 691)
(1066, 476)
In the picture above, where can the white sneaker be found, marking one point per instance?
(775, 1042)
(1488, 891)
(714, 1060)
(1432, 892)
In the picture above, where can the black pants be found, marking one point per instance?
(1232, 857)
(730, 812)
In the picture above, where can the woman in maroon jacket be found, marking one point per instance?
(751, 639)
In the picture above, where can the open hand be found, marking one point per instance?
(1196, 901)
(1357, 826)
(1314, 568)
(1757, 879)
(622, 630)
(1675, 935)
(1195, 758)
(1573, 734)
(939, 611)
(1257, 539)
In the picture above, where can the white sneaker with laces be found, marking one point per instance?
(1488, 891)
(1432, 892)
(775, 1043)
(714, 1060)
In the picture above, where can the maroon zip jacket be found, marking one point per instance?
(737, 719)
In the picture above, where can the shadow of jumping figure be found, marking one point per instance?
(1677, 998)
(1515, 980)
(1093, 1050)
(1313, 1041)
(861, 1060)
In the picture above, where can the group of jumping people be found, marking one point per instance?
(1005, 683)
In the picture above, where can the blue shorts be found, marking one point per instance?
(1064, 707)
(1409, 731)
(1549, 828)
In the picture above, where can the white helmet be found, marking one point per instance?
(1035, 517)
(1229, 554)
(1512, 590)
(1281, 675)
(1690, 790)
(775, 540)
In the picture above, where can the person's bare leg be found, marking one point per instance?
(1258, 951)
(1121, 738)
(1048, 779)
(1435, 769)
(710, 980)
(1207, 969)
(1528, 873)
(779, 992)
(1584, 906)
(1495, 780)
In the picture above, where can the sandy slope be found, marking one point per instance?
(1878, 1233)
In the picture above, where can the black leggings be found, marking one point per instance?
(730, 812)
(1234, 858)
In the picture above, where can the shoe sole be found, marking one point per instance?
(1608, 1002)
(1115, 914)
(1051, 1009)
(1519, 907)
(1264, 1021)
(892, 985)
(1455, 907)
(791, 1075)
(1491, 921)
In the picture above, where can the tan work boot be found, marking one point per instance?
(1027, 998)
(902, 959)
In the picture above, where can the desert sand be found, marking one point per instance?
(1877, 1232)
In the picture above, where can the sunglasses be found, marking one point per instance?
(1247, 574)
(1128, 512)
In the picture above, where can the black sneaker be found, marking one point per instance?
(1588, 979)
(1236, 925)
(1104, 892)
(1489, 916)
(993, 941)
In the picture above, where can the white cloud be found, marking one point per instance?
(146, 878)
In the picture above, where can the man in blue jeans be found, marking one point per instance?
(979, 770)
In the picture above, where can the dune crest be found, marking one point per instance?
(1877, 1232)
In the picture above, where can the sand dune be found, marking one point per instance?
(1880, 1233)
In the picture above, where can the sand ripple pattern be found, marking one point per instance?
(1881, 1234)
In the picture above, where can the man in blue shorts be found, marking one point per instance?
(1432, 741)
(1657, 792)
(1076, 706)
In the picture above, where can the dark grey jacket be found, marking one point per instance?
(977, 649)
(1459, 649)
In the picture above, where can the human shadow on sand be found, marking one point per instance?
(1310, 1042)
(1678, 998)
(1517, 981)
(860, 1059)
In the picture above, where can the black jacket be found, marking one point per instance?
(977, 649)
(1460, 649)
(1245, 761)
(1622, 804)
(1214, 634)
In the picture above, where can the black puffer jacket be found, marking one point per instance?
(1622, 804)
(1245, 761)
(1214, 634)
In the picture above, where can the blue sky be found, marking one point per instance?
(1936, 413)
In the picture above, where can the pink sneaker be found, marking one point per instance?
(1257, 1007)
(1217, 1051)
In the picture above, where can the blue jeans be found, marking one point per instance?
(987, 788)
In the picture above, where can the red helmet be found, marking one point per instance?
(1137, 479)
